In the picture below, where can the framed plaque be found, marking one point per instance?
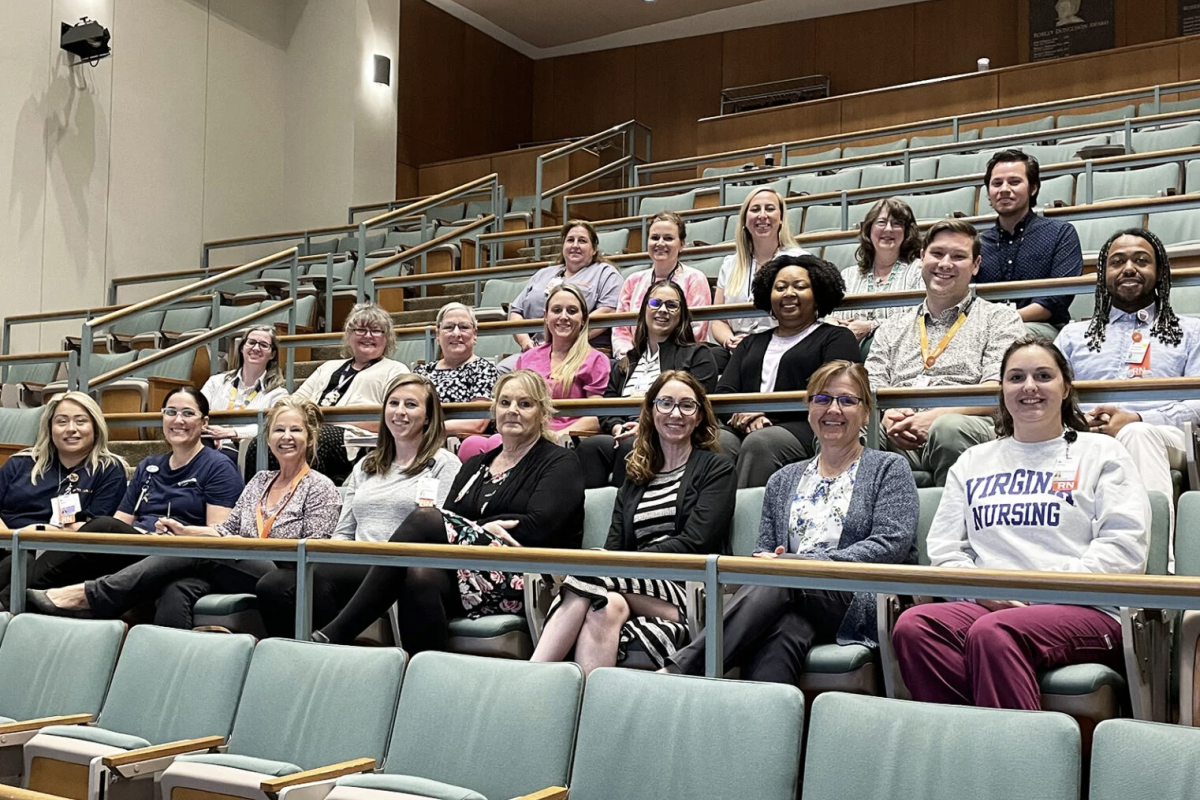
(1059, 28)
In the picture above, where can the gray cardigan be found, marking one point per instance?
(880, 527)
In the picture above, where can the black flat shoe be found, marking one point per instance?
(38, 601)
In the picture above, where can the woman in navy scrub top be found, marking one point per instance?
(197, 485)
(69, 469)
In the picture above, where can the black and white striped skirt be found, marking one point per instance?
(657, 636)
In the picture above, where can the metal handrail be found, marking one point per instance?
(68, 357)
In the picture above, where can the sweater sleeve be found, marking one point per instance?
(772, 529)
(617, 376)
(709, 519)
(893, 521)
(947, 542)
(1121, 539)
(313, 384)
(616, 527)
(594, 375)
(703, 367)
(554, 498)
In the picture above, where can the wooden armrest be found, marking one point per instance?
(552, 793)
(275, 785)
(15, 793)
(42, 722)
(163, 750)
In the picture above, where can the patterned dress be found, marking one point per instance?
(484, 592)
(653, 521)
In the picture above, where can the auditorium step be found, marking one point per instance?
(409, 319)
(435, 303)
(134, 451)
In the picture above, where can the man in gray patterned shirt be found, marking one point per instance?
(951, 339)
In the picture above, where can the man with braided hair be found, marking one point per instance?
(1134, 333)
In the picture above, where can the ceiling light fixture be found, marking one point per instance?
(383, 70)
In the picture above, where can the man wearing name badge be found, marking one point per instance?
(951, 339)
(1024, 246)
(1134, 333)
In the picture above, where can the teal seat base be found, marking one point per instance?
(409, 785)
(262, 766)
(1089, 691)
(841, 668)
(497, 635)
(95, 735)
(220, 605)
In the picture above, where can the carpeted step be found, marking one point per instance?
(436, 303)
(134, 451)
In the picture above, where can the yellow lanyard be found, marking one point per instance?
(264, 525)
(931, 358)
(233, 403)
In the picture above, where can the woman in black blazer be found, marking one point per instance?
(797, 291)
(528, 492)
(678, 498)
(662, 341)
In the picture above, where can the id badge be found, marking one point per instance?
(1137, 352)
(427, 489)
(65, 508)
(921, 382)
(1066, 475)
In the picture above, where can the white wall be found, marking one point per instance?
(213, 119)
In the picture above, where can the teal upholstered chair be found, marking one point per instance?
(901, 750)
(1144, 761)
(304, 705)
(1187, 562)
(169, 686)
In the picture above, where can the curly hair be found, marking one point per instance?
(309, 413)
(828, 288)
(1073, 419)
(888, 208)
(1166, 328)
(646, 458)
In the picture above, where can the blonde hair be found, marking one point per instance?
(745, 246)
(534, 386)
(100, 455)
(381, 459)
(309, 412)
(564, 374)
(857, 374)
(369, 314)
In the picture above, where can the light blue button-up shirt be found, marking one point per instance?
(1166, 361)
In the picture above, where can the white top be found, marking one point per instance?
(226, 391)
(999, 510)
(644, 374)
(775, 350)
(373, 506)
(742, 293)
(365, 390)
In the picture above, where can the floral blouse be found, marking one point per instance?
(469, 382)
(819, 509)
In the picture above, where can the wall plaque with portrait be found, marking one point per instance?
(1059, 28)
(1189, 17)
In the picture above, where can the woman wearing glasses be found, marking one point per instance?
(678, 498)
(193, 484)
(459, 375)
(662, 341)
(889, 260)
(254, 383)
(847, 504)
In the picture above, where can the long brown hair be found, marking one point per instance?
(380, 460)
(272, 377)
(646, 458)
(682, 334)
(893, 208)
(1072, 416)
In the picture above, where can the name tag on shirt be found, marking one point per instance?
(1138, 358)
(1066, 474)
(427, 492)
(65, 508)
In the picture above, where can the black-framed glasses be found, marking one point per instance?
(365, 332)
(451, 327)
(666, 405)
(252, 344)
(843, 400)
(672, 306)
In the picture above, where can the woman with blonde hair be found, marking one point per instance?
(528, 492)
(68, 477)
(678, 497)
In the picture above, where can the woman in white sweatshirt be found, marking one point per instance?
(1046, 496)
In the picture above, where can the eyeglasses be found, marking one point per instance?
(666, 405)
(365, 332)
(881, 224)
(672, 306)
(843, 400)
(451, 327)
(186, 413)
(253, 345)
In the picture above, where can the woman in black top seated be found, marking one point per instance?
(527, 492)
(662, 341)
(797, 291)
(678, 497)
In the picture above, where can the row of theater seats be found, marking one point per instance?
(202, 714)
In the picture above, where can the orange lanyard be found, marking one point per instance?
(264, 525)
(931, 358)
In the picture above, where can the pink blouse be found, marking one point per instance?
(695, 289)
(590, 381)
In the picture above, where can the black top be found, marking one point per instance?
(1037, 248)
(704, 508)
(23, 502)
(543, 493)
(744, 372)
(693, 358)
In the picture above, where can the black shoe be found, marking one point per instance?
(39, 602)
(317, 636)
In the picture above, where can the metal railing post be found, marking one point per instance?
(954, 127)
(329, 288)
(16, 588)
(714, 620)
(497, 249)
(845, 210)
(537, 205)
(361, 293)
(72, 370)
(907, 167)
(260, 458)
(1157, 99)
(293, 286)
(85, 355)
(1087, 181)
(430, 355)
(874, 420)
(303, 593)
(6, 349)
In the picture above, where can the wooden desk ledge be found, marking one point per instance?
(42, 722)
(275, 785)
(15, 793)
(553, 793)
(163, 751)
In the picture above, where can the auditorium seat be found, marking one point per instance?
(177, 324)
(304, 705)
(956, 202)
(322, 273)
(1134, 760)
(734, 195)
(1168, 107)
(1093, 233)
(5, 618)
(1175, 227)
(1187, 563)
(52, 671)
(796, 159)
(1108, 115)
(349, 244)
(708, 231)
(495, 297)
(274, 282)
(920, 169)
(122, 332)
(525, 205)
(943, 138)
(650, 206)
(25, 384)
(1042, 124)
(1171, 138)
(954, 165)
(899, 750)
(470, 727)
(841, 255)
(711, 267)
(1157, 181)
(613, 242)
(826, 218)
(169, 686)
(714, 172)
(843, 180)
(1191, 180)
(318, 248)
(872, 149)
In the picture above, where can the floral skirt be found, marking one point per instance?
(658, 637)
(484, 592)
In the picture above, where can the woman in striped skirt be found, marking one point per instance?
(678, 497)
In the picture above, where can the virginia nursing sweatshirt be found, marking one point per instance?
(1003, 509)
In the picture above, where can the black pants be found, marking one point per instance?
(331, 460)
(603, 464)
(428, 598)
(332, 587)
(769, 631)
(176, 583)
(59, 568)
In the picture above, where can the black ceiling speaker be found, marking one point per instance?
(88, 40)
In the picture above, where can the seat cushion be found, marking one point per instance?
(487, 627)
(408, 784)
(220, 605)
(1080, 679)
(835, 659)
(262, 766)
(91, 733)
(6, 720)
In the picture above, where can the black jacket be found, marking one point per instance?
(703, 511)
(693, 358)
